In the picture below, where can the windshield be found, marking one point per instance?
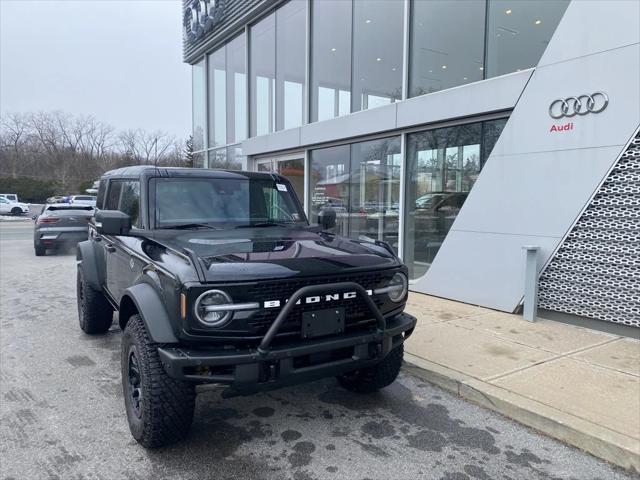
(224, 202)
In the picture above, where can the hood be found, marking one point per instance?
(276, 252)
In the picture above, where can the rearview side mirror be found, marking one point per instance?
(327, 219)
(113, 222)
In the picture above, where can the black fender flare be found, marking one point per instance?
(149, 305)
(87, 261)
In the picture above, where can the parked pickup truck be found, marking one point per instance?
(217, 277)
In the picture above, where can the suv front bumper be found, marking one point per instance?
(251, 370)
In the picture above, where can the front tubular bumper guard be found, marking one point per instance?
(251, 370)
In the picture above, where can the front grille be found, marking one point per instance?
(356, 312)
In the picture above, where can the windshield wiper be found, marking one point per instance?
(187, 226)
(265, 224)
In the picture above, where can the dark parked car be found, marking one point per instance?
(218, 277)
(60, 225)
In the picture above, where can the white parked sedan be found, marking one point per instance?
(89, 200)
(13, 208)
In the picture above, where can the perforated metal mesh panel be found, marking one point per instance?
(596, 271)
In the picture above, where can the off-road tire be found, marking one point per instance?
(372, 379)
(15, 211)
(165, 407)
(40, 250)
(94, 311)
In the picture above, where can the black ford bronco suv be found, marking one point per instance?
(217, 277)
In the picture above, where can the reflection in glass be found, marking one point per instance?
(198, 104)
(442, 167)
(330, 185)
(263, 71)
(447, 44)
(236, 90)
(361, 183)
(235, 159)
(330, 59)
(218, 158)
(374, 196)
(290, 67)
(199, 160)
(519, 32)
(377, 53)
(217, 98)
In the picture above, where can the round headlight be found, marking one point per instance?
(206, 312)
(398, 287)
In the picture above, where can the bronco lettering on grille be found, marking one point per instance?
(331, 297)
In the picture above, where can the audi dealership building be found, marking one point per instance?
(459, 132)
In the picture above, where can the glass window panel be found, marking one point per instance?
(198, 104)
(375, 190)
(330, 185)
(293, 170)
(442, 166)
(130, 201)
(330, 59)
(519, 31)
(236, 90)
(490, 132)
(377, 53)
(218, 159)
(291, 20)
(235, 159)
(447, 44)
(217, 98)
(199, 159)
(263, 66)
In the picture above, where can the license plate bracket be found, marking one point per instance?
(320, 323)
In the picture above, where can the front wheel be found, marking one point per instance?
(372, 379)
(15, 211)
(159, 408)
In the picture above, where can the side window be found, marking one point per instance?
(113, 195)
(130, 201)
(102, 190)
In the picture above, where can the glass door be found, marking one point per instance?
(291, 167)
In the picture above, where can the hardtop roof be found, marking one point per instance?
(149, 171)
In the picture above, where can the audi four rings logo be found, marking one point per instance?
(580, 105)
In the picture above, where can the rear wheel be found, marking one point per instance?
(94, 312)
(40, 250)
(372, 379)
(159, 408)
(15, 211)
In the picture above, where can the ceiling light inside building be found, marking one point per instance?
(333, 49)
(367, 21)
(465, 78)
(508, 12)
(378, 59)
(444, 67)
(538, 22)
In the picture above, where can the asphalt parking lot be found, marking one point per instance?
(62, 413)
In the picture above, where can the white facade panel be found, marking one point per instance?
(616, 73)
(481, 268)
(495, 94)
(537, 194)
(538, 181)
(589, 27)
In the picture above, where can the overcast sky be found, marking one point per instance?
(118, 60)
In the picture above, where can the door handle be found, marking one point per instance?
(110, 248)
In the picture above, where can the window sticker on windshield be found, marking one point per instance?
(295, 217)
(281, 187)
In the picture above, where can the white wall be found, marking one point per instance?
(536, 182)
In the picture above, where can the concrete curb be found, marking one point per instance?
(601, 442)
